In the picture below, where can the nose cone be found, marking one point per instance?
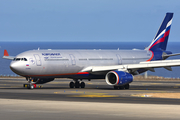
(16, 67)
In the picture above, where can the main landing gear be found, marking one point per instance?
(76, 84)
(122, 87)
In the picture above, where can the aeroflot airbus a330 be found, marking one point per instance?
(117, 67)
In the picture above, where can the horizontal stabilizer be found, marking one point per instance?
(168, 55)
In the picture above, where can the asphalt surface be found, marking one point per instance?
(55, 100)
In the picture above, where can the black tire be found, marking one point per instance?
(116, 87)
(77, 84)
(82, 85)
(126, 86)
(28, 86)
(71, 84)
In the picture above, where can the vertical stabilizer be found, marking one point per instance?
(161, 38)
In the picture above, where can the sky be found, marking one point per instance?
(86, 20)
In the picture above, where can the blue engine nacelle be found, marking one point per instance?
(118, 78)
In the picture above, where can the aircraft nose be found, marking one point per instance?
(15, 67)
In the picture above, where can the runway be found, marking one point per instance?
(55, 100)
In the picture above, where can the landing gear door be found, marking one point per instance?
(119, 59)
(38, 60)
(73, 61)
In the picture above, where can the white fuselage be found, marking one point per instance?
(61, 63)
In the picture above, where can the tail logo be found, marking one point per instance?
(161, 38)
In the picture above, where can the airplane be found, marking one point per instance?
(117, 67)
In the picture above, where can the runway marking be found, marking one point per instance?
(93, 96)
(80, 92)
(150, 91)
(158, 95)
(86, 94)
(92, 93)
(90, 83)
(139, 95)
(176, 87)
(151, 83)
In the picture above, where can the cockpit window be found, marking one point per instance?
(19, 59)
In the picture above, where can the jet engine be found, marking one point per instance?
(118, 78)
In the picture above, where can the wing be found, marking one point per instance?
(6, 56)
(149, 65)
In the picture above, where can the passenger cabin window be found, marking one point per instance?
(19, 59)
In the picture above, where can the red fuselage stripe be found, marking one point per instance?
(79, 73)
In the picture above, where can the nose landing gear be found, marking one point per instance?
(30, 84)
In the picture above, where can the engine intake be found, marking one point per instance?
(118, 78)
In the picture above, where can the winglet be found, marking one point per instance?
(6, 53)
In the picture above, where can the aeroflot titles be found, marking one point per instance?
(51, 54)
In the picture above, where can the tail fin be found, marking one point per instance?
(161, 38)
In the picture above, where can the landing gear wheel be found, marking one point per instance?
(31, 86)
(71, 84)
(28, 86)
(126, 86)
(116, 87)
(82, 84)
(121, 87)
(77, 84)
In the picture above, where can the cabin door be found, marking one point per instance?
(38, 60)
(119, 59)
(73, 61)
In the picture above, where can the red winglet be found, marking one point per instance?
(6, 53)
